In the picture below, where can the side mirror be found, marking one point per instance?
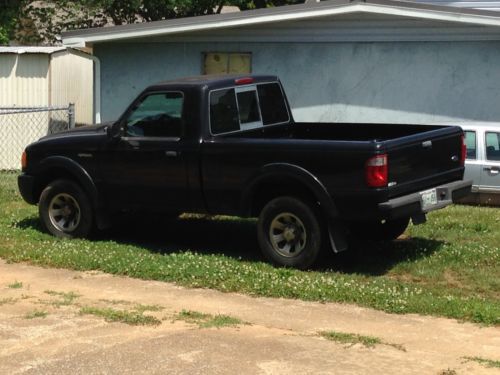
(113, 132)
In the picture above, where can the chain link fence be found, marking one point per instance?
(21, 126)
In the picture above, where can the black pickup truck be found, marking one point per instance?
(229, 145)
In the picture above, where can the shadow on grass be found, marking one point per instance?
(375, 258)
(237, 238)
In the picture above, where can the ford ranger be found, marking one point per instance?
(229, 145)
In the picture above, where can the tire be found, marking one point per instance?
(297, 233)
(65, 210)
(387, 230)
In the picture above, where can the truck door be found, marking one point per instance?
(490, 171)
(146, 167)
(473, 163)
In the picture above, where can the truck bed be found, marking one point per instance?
(419, 157)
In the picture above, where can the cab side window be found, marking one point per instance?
(272, 104)
(493, 146)
(470, 142)
(224, 116)
(157, 115)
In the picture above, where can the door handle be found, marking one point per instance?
(492, 170)
(171, 154)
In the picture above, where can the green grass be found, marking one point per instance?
(15, 285)
(131, 317)
(63, 298)
(7, 301)
(208, 320)
(484, 361)
(352, 338)
(448, 267)
(36, 314)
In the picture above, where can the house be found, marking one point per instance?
(351, 61)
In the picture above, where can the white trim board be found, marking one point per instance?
(445, 14)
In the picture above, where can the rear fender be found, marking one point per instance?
(336, 230)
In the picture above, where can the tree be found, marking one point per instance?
(9, 11)
(35, 22)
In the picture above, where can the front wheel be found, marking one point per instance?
(289, 233)
(65, 210)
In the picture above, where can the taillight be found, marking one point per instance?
(463, 153)
(24, 160)
(376, 171)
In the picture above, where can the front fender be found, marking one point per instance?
(52, 163)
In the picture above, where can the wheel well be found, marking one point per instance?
(49, 176)
(279, 186)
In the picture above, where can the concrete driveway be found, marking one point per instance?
(43, 332)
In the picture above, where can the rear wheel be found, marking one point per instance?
(289, 233)
(381, 230)
(65, 210)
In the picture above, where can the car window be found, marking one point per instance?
(223, 111)
(248, 108)
(157, 115)
(272, 104)
(470, 142)
(493, 146)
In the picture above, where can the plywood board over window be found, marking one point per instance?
(227, 63)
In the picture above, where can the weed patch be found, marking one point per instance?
(208, 320)
(131, 317)
(15, 285)
(36, 314)
(351, 339)
(7, 301)
(484, 361)
(63, 298)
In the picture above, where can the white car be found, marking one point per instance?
(482, 164)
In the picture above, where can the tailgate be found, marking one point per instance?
(424, 160)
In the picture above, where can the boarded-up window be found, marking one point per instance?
(227, 63)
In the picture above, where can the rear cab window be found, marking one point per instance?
(471, 144)
(247, 107)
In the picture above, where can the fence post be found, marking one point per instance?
(71, 115)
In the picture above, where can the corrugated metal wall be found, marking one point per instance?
(71, 81)
(24, 80)
(23, 83)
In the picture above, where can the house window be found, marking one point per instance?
(227, 63)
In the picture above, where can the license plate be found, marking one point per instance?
(428, 198)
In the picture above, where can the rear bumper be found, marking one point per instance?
(411, 204)
(26, 184)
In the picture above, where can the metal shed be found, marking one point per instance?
(47, 76)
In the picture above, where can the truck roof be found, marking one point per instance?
(212, 81)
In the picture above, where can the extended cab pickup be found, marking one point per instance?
(229, 145)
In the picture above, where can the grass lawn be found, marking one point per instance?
(447, 267)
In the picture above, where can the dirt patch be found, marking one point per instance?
(46, 328)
